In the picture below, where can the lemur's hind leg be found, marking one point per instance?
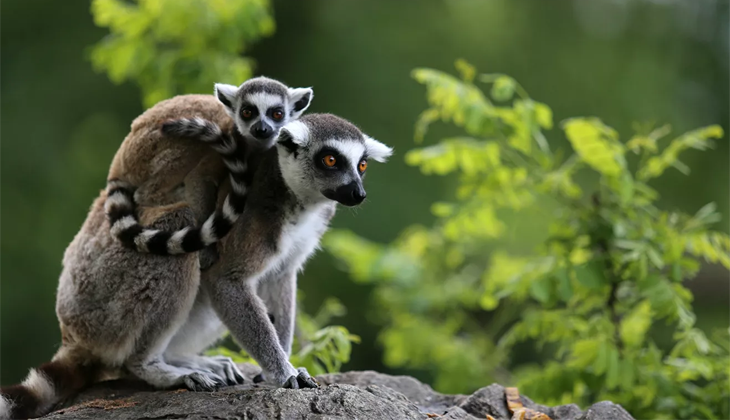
(170, 312)
(155, 371)
(202, 328)
(221, 366)
(149, 364)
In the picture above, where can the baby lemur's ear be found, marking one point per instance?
(377, 150)
(301, 98)
(293, 136)
(226, 94)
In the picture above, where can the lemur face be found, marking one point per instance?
(324, 157)
(262, 106)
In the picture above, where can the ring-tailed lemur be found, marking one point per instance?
(153, 315)
(259, 107)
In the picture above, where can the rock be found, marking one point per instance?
(419, 393)
(351, 395)
(605, 410)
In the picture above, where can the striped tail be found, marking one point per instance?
(44, 387)
(120, 206)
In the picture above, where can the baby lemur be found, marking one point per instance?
(152, 315)
(151, 165)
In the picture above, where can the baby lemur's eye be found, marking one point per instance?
(363, 165)
(277, 115)
(329, 161)
(246, 113)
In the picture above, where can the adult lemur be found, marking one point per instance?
(152, 314)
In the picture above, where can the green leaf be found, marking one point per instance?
(544, 115)
(613, 369)
(700, 139)
(466, 70)
(503, 88)
(589, 275)
(565, 288)
(455, 101)
(584, 353)
(540, 290)
(442, 209)
(634, 325)
(596, 145)
(456, 154)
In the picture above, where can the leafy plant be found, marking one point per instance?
(317, 347)
(610, 266)
(169, 47)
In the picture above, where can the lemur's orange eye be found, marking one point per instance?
(363, 165)
(246, 113)
(329, 161)
(277, 115)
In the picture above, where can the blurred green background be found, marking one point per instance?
(625, 61)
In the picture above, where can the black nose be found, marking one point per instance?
(358, 195)
(261, 130)
(349, 195)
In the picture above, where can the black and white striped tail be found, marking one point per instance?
(44, 387)
(120, 206)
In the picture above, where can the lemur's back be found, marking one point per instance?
(104, 286)
(157, 163)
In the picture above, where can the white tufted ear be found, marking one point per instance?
(299, 132)
(377, 150)
(294, 135)
(301, 98)
(226, 94)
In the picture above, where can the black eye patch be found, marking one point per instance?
(249, 111)
(327, 152)
(275, 113)
(360, 170)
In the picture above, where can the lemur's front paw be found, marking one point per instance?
(302, 380)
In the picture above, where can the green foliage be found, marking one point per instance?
(319, 348)
(610, 269)
(322, 349)
(169, 47)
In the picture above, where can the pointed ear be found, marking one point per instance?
(300, 98)
(293, 136)
(226, 94)
(377, 150)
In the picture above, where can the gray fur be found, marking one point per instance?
(328, 126)
(279, 295)
(265, 85)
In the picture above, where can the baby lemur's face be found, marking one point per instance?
(324, 157)
(262, 106)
